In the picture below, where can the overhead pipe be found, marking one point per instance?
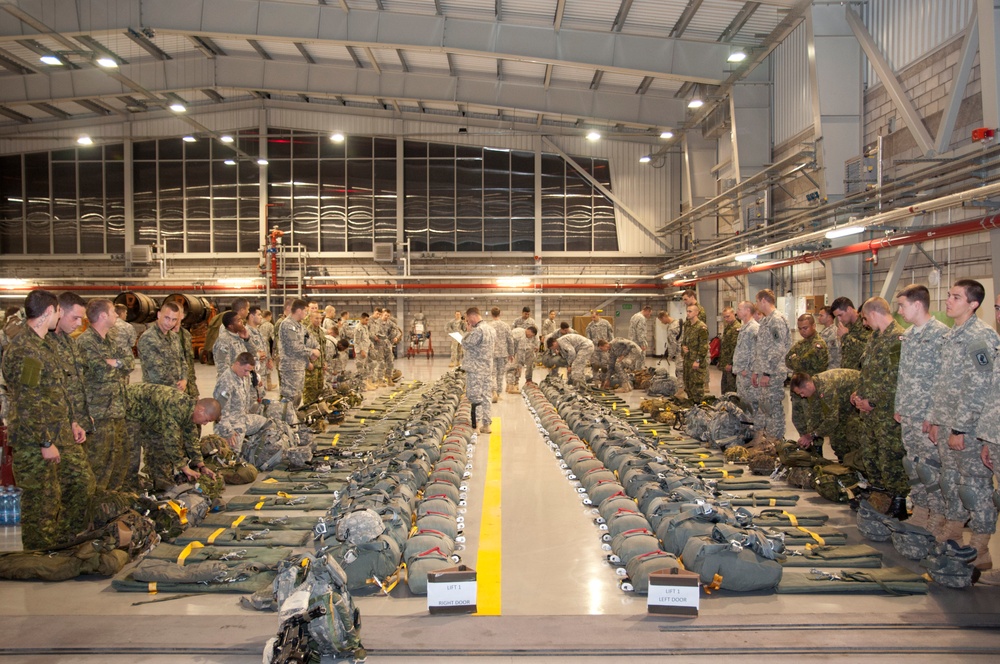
(872, 246)
(358, 287)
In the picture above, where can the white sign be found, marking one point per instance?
(673, 596)
(450, 595)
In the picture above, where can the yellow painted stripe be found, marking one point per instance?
(488, 563)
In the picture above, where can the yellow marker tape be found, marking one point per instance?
(282, 494)
(363, 419)
(187, 552)
(270, 480)
(213, 536)
(326, 458)
(372, 411)
(701, 464)
(645, 421)
(152, 588)
(238, 521)
(305, 562)
(603, 394)
(628, 412)
(263, 499)
(653, 431)
(488, 562)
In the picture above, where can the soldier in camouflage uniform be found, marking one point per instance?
(960, 399)
(165, 423)
(363, 350)
(524, 320)
(853, 342)
(694, 348)
(106, 367)
(186, 347)
(314, 378)
(624, 357)
(393, 334)
(160, 351)
(238, 402)
(829, 334)
(746, 348)
(637, 329)
(549, 326)
(336, 360)
(919, 355)
(261, 350)
(988, 434)
(769, 371)
(71, 311)
(808, 355)
(266, 330)
(233, 339)
(599, 329)
(882, 443)
(577, 350)
(727, 347)
(295, 354)
(123, 334)
(829, 411)
(503, 350)
(457, 324)
(478, 365)
(50, 464)
(672, 346)
(524, 357)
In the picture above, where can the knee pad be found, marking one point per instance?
(910, 467)
(967, 494)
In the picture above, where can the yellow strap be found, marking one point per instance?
(819, 540)
(263, 499)
(282, 494)
(187, 552)
(772, 502)
(181, 511)
(211, 538)
(628, 412)
(304, 562)
(645, 421)
(270, 480)
(363, 419)
(653, 431)
(238, 521)
(326, 458)
(603, 394)
(704, 456)
(152, 588)
(725, 473)
(701, 464)
(614, 406)
(716, 584)
(791, 518)
(336, 439)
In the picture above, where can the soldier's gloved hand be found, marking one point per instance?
(79, 435)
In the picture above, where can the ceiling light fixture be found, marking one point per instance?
(593, 135)
(337, 137)
(262, 162)
(230, 162)
(51, 60)
(746, 258)
(669, 275)
(695, 102)
(177, 107)
(85, 140)
(666, 134)
(514, 282)
(645, 159)
(237, 282)
(844, 231)
(739, 55)
(13, 283)
(189, 139)
(226, 138)
(107, 63)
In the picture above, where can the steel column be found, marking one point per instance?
(970, 45)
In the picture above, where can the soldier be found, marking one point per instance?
(637, 331)
(525, 319)
(165, 422)
(564, 329)
(266, 329)
(376, 358)
(549, 325)
(524, 357)
(690, 297)
(276, 353)
(233, 339)
(13, 324)
(393, 335)
(882, 444)
(856, 336)
(456, 324)
(344, 328)
(262, 349)
(295, 354)
(123, 333)
(312, 387)
(599, 329)
(49, 462)
(746, 344)
(829, 334)
(672, 347)
(363, 349)
(829, 412)
(336, 360)
(503, 350)
(730, 334)
(577, 350)
(106, 367)
(70, 312)
(988, 433)
(241, 306)
(624, 357)
(186, 347)
(769, 371)
(238, 403)
(329, 319)
(160, 352)
(808, 355)
(960, 399)
(478, 364)
(918, 366)
(694, 348)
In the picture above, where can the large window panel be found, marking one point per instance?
(144, 183)
(279, 198)
(11, 206)
(415, 177)
(305, 146)
(198, 201)
(496, 183)
(442, 234)
(305, 202)
(333, 203)
(496, 234)
(114, 197)
(65, 216)
(441, 189)
(360, 203)
(553, 234)
(92, 208)
(469, 234)
(522, 234)
(469, 188)
(38, 203)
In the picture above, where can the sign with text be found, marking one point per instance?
(452, 590)
(673, 592)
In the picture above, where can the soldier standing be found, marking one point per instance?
(694, 348)
(478, 364)
(624, 356)
(919, 355)
(746, 347)
(363, 349)
(524, 357)
(549, 325)
(314, 378)
(524, 320)
(186, 347)
(49, 462)
(988, 432)
(960, 399)
(577, 350)
(503, 350)
(829, 411)
(159, 350)
(295, 354)
(599, 329)
(672, 347)
(808, 355)
(106, 367)
(71, 311)
(829, 334)
(854, 340)
(393, 334)
(376, 358)
(727, 347)
(276, 353)
(637, 330)
(773, 342)
(261, 349)
(233, 340)
(456, 324)
(123, 333)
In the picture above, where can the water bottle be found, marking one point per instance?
(5, 510)
(15, 499)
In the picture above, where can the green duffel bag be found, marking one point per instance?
(612, 504)
(427, 551)
(441, 523)
(367, 565)
(442, 488)
(153, 570)
(728, 566)
(601, 491)
(269, 488)
(835, 482)
(446, 475)
(622, 521)
(332, 475)
(781, 517)
(639, 568)
(592, 477)
(742, 484)
(631, 543)
(289, 502)
(437, 504)
(674, 532)
(816, 535)
(188, 554)
(581, 467)
(246, 582)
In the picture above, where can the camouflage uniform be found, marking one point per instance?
(334, 362)
(600, 330)
(727, 346)
(548, 327)
(960, 399)
(672, 347)
(695, 339)
(160, 421)
(624, 356)
(294, 357)
(363, 344)
(521, 322)
(918, 367)
(64, 347)
(988, 429)
(638, 332)
(266, 332)
(524, 357)
(773, 342)
(227, 347)
(239, 405)
(123, 335)
(478, 365)
(882, 443)
(829, 412)
(577, 350)
(56, 496)
(503, 347)
(829, 334)
(107, 446)
(746, 345)
(808, 356)
(312, 387)
(159, 354)
(187, 352)
(393, 333)
(852, 344)
(456, 348)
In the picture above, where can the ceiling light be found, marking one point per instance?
(226, 138)
(262, 162)
(51, 60)
(337, 137)
(514, 282)
(189, 139)
(844, 231)
(669, 275)
(746, 258)
(593, 135)
(108, 63)
(695, 102)
(645, 159)
(13, 283)
(666, 134)
(739, 55)
(177, 107)
(230, 162)
(85, 140)
(237, 282)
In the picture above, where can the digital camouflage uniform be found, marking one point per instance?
(479, 375)
(727, 347)
(548, 327)
(882, 442)
(829, 412)
(107, 447)
(773, 342)
(376, 358)
(456, 348)
(160, 422)
(919, 356)
(960, 399)
(852, 344)
(637, 331)
(829, 334)
(522, 322)
(524, 357)
(160, 357)
(266, 331)
(294, 357)
(988, 430)
(393, 333)
(334, 362)
(503, 347)
(187, 352)
(123, 335)
(624, 357)
(695, 338)
(238, 400)
(746, 348)
(56, 497)
(259, 375)
(227, 347)
(363, 344)
(313, 384)
(577, 351)
(599, 330)
(808, 356)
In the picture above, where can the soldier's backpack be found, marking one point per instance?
(367, 565)
(266, 448)
(661, 384)
(696, 423)
(427, 551)
(640, 567)
(835, 482)
(728, 425)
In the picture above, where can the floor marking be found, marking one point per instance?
(488, 560)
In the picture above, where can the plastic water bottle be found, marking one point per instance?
(5, 507)
(15, 498)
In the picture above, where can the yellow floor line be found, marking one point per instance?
(488, 560)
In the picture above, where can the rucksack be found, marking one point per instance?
(835, 482)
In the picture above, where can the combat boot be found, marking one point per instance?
(897, 509)
(990, 578)
(952, 530)
(921, 517)
(981, 542)
(935, 524)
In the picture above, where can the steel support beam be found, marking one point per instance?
(989, 61)
(970, 46)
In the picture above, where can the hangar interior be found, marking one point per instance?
(567, 155)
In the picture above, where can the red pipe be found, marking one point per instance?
(347, 287)
(873, 246)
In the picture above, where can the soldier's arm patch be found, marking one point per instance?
(31, 372)
(982, 357)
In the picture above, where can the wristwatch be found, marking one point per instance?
(956, 432)
(46, 445)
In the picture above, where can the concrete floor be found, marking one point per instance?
(560, 600)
